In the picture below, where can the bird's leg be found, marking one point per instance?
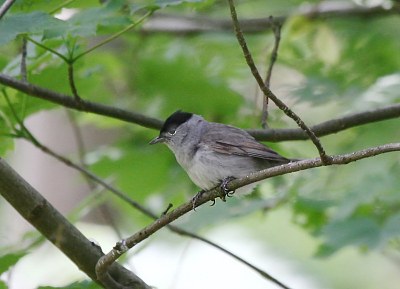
(196, 197)
(225, 190)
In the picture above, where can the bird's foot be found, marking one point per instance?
(226, 192)
(196, 197)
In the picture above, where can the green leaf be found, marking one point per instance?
(85, 23)
(160, 4)
(360, 231)
(391, 229)
(165, 3)
(313, 210)
(27, 6)
(9, 260)
(35, 22)
(76, 285)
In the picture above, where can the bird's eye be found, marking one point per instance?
(172, 132)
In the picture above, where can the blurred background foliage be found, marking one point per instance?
(327, 67)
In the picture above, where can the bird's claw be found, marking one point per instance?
(225, 190)
(196, 197)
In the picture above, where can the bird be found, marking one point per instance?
(212, 154)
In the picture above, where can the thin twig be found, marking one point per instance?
(273, 135)
(261, 272)
(78, 138)
(104, 210)
(48, 49)
(72, 83)
(125, 244)
(276, 28)
(267, 92)
(23, 131)
(62, 5)
(4, 8)
(114, 36)
(24, 76)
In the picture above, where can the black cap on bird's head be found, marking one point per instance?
(171, 124)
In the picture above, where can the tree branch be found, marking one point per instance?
(124, 245)
(329, 127)
(72, 82)
(178, 24)
(51, 224)
(84, 105)
(24, 75)
(4, 8)
(272, 135)
(267, 92)
(276, 28)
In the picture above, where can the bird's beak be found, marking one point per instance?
(156, 140)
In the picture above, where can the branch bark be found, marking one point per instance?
(329, 127)
(83, 105)
(4, 8)
(52, 225)
(125, 244)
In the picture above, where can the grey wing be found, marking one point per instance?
(232, 140)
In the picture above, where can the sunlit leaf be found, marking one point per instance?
(9, 260)
(76, 285)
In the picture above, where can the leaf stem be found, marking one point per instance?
(48, 49)
(24, 130)
(61, 6)
(113, 36)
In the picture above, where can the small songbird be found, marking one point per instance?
(213, 153)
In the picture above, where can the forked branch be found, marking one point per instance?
(268, 93)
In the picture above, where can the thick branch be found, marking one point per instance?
(48, 221)
(84, 105)
(126, 244)
(272, 135)
(329, 127)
